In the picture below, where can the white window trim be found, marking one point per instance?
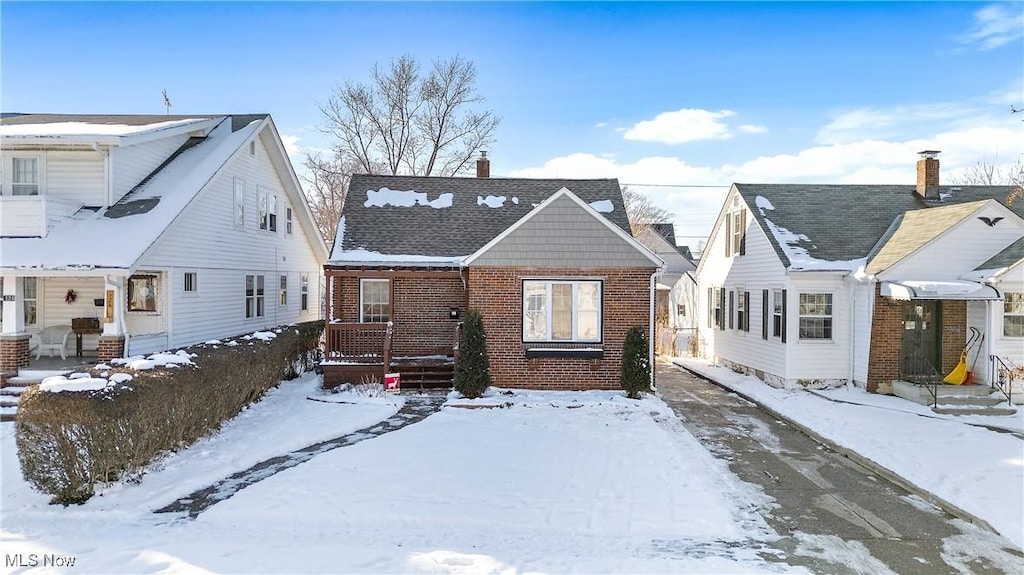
(736, 240)
(36, 299)
(1004, 314)
(195, 284)
(304, 292)
(282, 290)
(831, 316)
(364, 281)
(7, 173)
(575, 282)
(776, 295)
(267, 221)
(288, 212)
(257, 298)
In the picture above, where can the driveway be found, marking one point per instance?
(826, 501)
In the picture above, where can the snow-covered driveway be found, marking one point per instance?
(552, 482)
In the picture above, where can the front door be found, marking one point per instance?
(920, 358)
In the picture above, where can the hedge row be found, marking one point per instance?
(70, 441)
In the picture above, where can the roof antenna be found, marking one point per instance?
(167, 102)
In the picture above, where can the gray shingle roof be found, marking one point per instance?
(844, 222)
(464, 227)
(1006, 258)
(915, 229)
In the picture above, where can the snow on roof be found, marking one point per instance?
(59, 129)
(603, 206)
(98, 242)
(799, 258)
(492, 201)
(342, 257)
(405, 198)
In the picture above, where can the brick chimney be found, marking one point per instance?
(928, 174)
(483, 165)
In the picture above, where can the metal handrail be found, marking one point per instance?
(1004, 375)
(918, 370)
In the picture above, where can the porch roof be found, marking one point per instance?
(949, 290)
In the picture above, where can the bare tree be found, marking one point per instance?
(985, 173)
(402, 122)
(326, 182)
(642, 212)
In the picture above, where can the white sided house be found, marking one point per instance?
(819, 285)
(676, 300)
(143, 233)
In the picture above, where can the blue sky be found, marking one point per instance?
(681, 94)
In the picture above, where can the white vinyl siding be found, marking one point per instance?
(561, 311)
(133, 163)
(197, 240)
(78, 177)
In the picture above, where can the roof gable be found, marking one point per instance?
(431, 217)
(842, 223)
(564, 231)
(913, 230)
(1011, 256)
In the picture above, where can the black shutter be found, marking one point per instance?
(721, 308)
(743, 232)
(764, 314)
(746, 313)
(732, 297)
(783, 316)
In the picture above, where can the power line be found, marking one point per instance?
(678, 185)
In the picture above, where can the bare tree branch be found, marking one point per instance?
(985, 173)
(326, 188)
(642, 212)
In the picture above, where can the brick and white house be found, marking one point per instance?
(550, 264)
(149, 232)
(872, 284)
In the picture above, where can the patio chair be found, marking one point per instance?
(54, 339)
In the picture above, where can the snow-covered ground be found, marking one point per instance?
(979, 470)
(540, 482)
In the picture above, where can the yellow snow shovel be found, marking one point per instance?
(959, 374)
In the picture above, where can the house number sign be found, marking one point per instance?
(9, 298)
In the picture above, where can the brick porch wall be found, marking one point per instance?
(110, 347)
(14, 354)
(887, 339)
(420, 307)
(497, 293)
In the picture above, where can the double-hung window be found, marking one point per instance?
(304, 293)
(815, 316)
(254, 296)
(267, 205)
(25, 176)
(562, 310)
(374, 300)
(778, 313)
(1013, 314)
(743, 310)
(283, 294)
(288, 221)
(30, 297)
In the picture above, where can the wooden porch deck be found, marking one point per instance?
(356, 352)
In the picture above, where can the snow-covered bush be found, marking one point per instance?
(472, 366)
(72, 436)
(635, 376)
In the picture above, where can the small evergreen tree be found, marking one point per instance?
(635, 377)
(473, 368)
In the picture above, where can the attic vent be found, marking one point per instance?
(252, 149)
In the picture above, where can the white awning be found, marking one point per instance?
(954, 289)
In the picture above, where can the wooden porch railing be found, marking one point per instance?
(357, 341)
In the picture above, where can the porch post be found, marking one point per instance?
(113, 340)
(14, 341)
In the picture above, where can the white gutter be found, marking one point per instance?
(650, 328)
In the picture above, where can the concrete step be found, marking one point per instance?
(13, 402)
(14, 390)
(988, 401)
(1000, 411)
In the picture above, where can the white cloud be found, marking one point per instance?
(681, 126)
(291, 145)
(752, 129)
(875, 122)
(600, 124)
(995, 25)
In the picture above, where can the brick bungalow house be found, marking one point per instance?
(878, 285)
(549, 263)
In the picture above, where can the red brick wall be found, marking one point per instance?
(886, 341)
(13, 353)
(954, 333)
(887, 338)
(419, 310)
(497, 293)
(110, 347)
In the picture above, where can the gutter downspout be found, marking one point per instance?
(650, 328)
